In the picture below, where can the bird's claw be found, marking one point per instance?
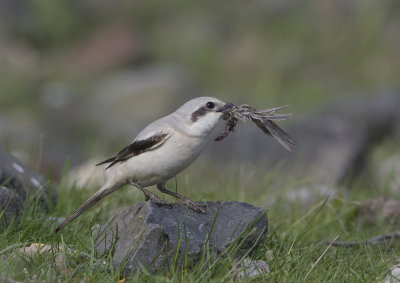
(154, 198)
(201, 204)
(192, 205)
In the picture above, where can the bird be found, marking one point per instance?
(159, 152)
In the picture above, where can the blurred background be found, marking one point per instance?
(79, 79)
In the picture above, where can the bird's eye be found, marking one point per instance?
(210, 105)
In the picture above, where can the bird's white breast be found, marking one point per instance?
(161, 164)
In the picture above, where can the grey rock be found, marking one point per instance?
(25, 182)
(11, 206)
(147, 235)
(394, 276)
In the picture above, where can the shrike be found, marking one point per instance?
(159, 152)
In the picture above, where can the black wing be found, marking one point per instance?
(135, 148)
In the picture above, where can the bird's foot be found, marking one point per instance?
(149, 195)
(154, 198)
(192, 205)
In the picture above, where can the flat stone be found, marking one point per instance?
(394, 276)
(147, 235)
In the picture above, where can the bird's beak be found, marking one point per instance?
(226, 107)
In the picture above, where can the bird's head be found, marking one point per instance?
(202, 114)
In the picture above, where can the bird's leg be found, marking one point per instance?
(150, 196)
(182, 199)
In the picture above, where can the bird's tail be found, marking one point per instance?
(100, 194)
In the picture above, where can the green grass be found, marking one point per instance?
(292, 247)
